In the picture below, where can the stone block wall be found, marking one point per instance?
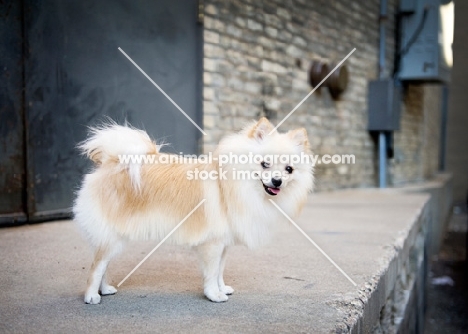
(256, 60)
(417, 143)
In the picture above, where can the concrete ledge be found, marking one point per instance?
(440, 189)
(377, 237)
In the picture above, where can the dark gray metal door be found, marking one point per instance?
(75, 74)
(12, 171)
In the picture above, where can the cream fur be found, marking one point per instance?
(118, 203)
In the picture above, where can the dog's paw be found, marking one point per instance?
(216, 296)
(226, 289)
(92, 298)
(108, 290)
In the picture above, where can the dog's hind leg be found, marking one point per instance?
(210, 255)
(226, 289)
(97, 280)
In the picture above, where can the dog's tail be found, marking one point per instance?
(123, 146)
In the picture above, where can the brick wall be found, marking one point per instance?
(257, 57)
(417, 143)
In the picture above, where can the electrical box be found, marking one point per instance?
(407, 6)
(384, 100)
(426, 37)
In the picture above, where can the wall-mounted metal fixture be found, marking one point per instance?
(318, 71)
(426, 37)
(384, 99)
(385, 86)
(336, 82)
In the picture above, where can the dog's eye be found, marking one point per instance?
(289, 169)
(265, 164)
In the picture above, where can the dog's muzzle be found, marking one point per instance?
(273, 191)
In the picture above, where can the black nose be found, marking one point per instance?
(276, 182)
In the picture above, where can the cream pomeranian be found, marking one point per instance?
(122, 201)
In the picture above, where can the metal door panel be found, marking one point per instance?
(12, 175)
(75, 75)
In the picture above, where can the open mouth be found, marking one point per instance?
(271, 190)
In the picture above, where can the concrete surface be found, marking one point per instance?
(441, 190)
(287, 286)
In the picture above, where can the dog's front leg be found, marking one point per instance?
(210, 255)
(226, 289)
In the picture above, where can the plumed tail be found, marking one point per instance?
(115, 144)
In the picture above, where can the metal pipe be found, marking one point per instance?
(382, 51)
(382, 160)
(382, 37)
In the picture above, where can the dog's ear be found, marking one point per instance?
(261, 129)
(299, 136)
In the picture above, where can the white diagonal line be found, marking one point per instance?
(162, 241)
(313, 243)
(163, 92)
(312, 91)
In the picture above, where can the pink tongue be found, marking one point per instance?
(274, 190)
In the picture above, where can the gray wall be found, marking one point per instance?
(457, 129)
